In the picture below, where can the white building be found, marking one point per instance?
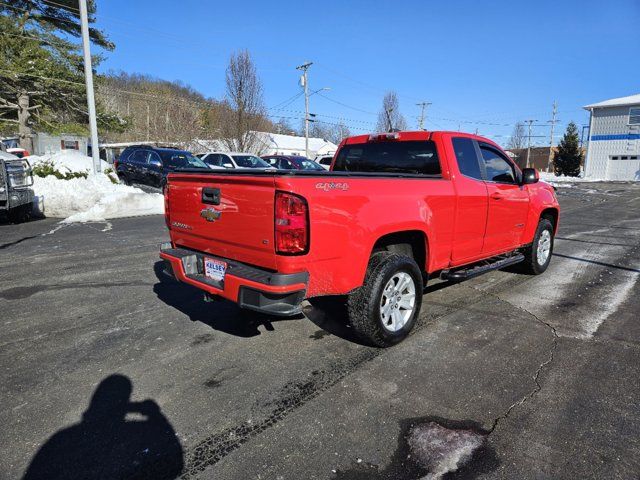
(613, 151)
(278, 144)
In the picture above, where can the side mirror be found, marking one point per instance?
(529, 176)
(155, 163)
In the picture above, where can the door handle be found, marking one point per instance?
(496, 196)
(211, 196)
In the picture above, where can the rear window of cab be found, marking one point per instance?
(418, 157)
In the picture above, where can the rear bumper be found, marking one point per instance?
(250, 287)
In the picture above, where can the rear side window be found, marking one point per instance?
(498, 169)
(467, 157)
(139, 156)
(416, 157)
(214, 159)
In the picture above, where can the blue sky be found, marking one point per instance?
(482, 64)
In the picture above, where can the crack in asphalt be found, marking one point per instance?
(536, 376)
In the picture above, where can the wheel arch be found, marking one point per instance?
(552, 214)
(413, 243)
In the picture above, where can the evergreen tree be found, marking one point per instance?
(568, 158)
(41, 67)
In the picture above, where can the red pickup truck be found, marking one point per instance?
(395, 210)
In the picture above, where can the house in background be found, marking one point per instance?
(279, 144)
(270, 144)
(613, 151)
(44, 144)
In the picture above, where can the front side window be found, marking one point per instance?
(413, 157)
(498, 169)
(634, 116)
(467, 157)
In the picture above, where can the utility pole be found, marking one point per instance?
(423, 106)
(529, 140)
(553, 124)
(305, 84)
(88, 80)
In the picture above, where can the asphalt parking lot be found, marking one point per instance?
(109, 370)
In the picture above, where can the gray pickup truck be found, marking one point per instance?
(16, 194)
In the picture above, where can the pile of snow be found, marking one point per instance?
(68, 161)
(561, 180)
(92, 199)
(442, 450)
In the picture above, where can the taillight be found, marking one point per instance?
(291, 224)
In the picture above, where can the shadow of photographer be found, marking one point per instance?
(117, 438)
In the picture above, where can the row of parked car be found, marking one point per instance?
(148, 165)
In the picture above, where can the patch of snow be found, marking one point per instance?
(564, 181)
(93, 199)
(442, 450)
(68, 161)
(612, 301)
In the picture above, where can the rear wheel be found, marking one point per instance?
(384, 310)
(538, 255)
(21, 213)
(124, 178)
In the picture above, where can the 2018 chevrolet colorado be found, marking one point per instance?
(395, 210)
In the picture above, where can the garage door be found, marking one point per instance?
(623, 167)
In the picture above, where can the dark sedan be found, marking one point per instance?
(292, 162)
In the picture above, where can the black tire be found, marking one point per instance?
(364, 304)
(20, 214)
(124, 178)
(531, 264)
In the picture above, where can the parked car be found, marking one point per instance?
(16, 194)
(396, 210)
(291, 162)
(18, 152)
(325, 161)
(217, 160)
(147, 165)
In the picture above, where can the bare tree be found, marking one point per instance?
(518, 137)
(390, 118)
(244, 97)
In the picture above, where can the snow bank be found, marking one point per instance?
(92, 199)
(68, 161)
(442, 450)
(554, 179)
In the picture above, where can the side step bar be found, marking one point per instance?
(467, 273)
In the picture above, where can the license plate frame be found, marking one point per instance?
(214, 269)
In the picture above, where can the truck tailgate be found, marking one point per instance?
(225, 215)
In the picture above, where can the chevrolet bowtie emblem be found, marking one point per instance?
(210, 215)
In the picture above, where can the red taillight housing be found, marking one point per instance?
(291, 224)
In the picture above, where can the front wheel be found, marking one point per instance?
(384, 310)
(21, 213)
(538, 255)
